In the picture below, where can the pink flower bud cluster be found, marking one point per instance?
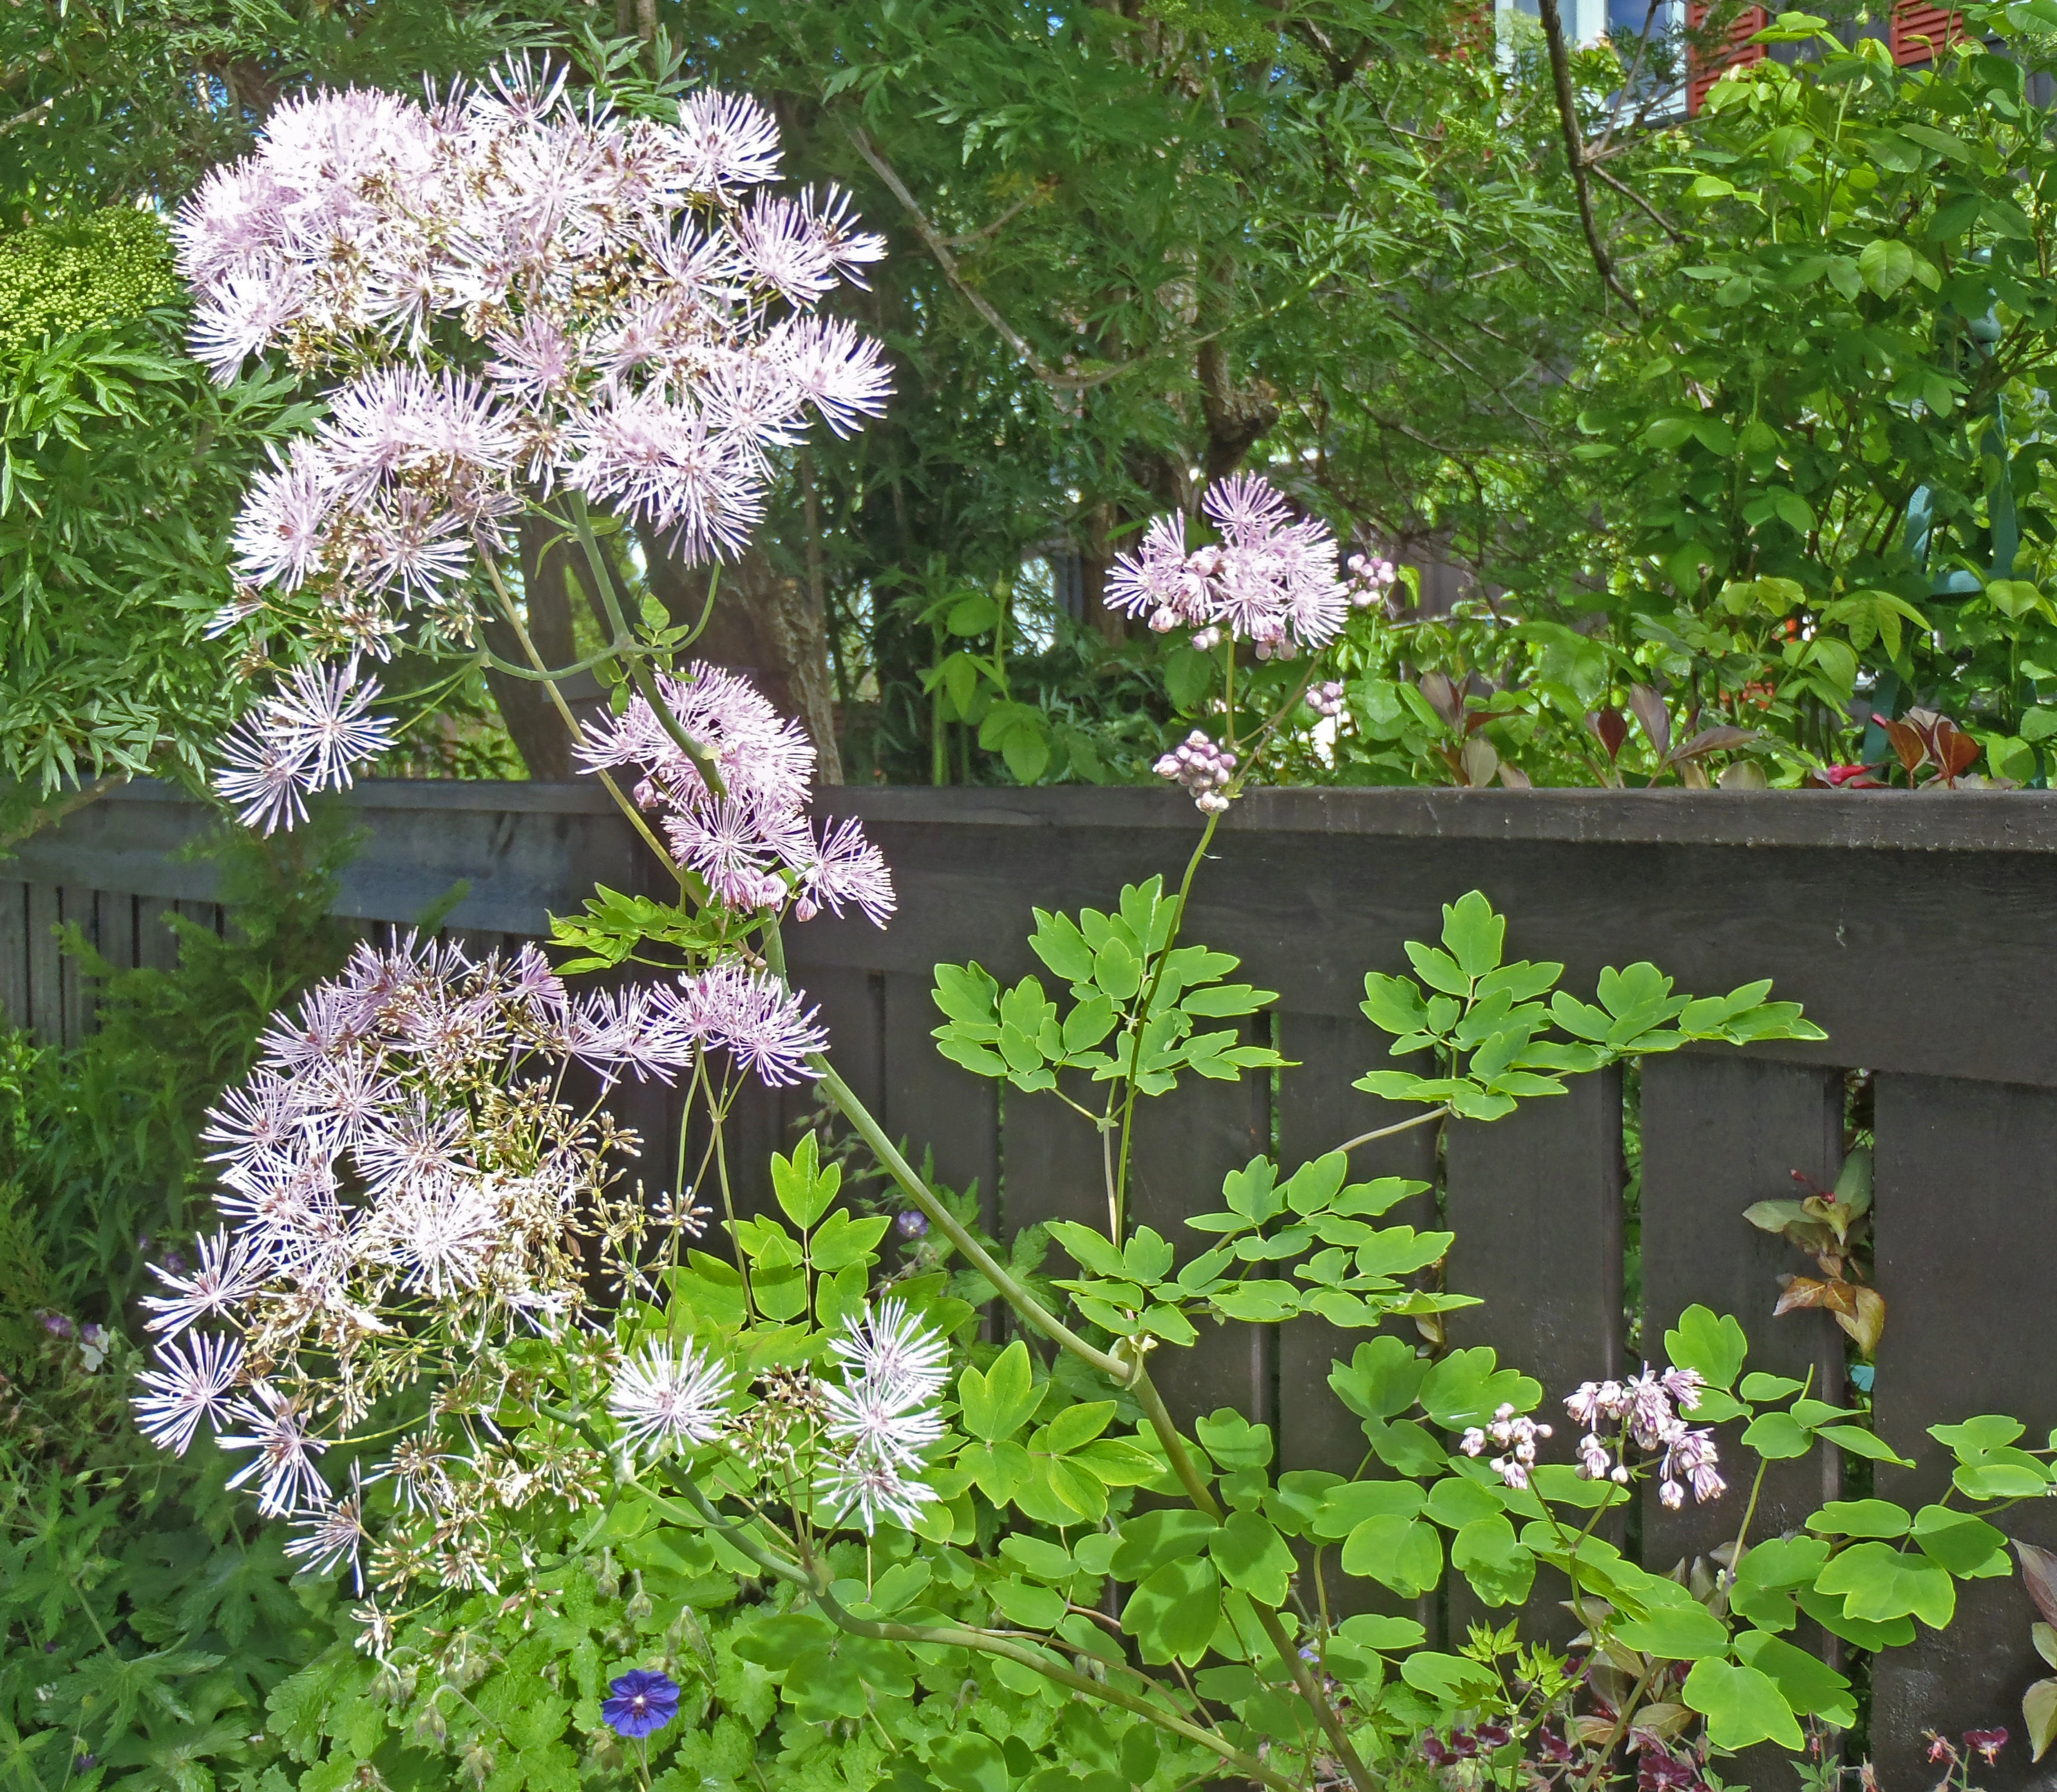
(1326, 698)
(1371, 580)
(1269, 580)
(1203, 767)
(750, 840)
(1515, 1436)
(1642, 1409)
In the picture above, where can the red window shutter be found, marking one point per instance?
(1738, 52)
(1920, 32)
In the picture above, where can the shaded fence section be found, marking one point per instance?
(1914, 928)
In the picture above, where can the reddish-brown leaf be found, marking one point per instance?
(1656, 719)
(1956, 750)
(1442, 695)
(1715, 740)
(1907, 742)
(1867, 1323)
(2038, 1574)
(1800, 1290)
(1612, 725)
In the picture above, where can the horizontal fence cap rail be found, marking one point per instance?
(1908, 924)
(527, 851)
(1911, 821)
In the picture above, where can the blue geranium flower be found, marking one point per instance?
(643, 1701)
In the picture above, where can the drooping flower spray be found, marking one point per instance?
(523, 303)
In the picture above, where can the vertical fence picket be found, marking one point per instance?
(1317, 1111)
(76, 908)
(156, 945)
(117, 914)
(939, 1108)
(1535, 1200)
(1720, 1132)
(1966, 1258)
(850, 1004)
(14, 953)
(45, 996)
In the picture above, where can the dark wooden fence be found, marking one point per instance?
(1915, 929)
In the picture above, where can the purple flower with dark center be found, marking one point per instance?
(1432, 1751)
(644, 1701)
(1988, 1742)
(1493, 1735)
(913, 1224)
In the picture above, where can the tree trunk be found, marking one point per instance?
(532, 719)
(765, 624)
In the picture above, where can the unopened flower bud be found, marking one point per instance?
(1163, 621)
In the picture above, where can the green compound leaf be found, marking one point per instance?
(1175, 1613)
(1677, 1633)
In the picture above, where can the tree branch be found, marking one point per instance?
(33, 112)
(1575, 149)
(939, 249)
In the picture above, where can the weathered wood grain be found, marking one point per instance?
(1966, 1258)
(1721, 1132)
(14, 952)
(46, 985)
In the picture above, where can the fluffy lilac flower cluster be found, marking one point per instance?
(1645, 1411)
(1203, 766)
(750, 840)
(1270, 579)
(400, 1151)
(518, 287)
(1515, 1436)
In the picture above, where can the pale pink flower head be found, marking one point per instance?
(754, 1017)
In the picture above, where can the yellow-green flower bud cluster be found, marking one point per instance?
(103, 267)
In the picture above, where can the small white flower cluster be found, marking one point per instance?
(1516, 1437)
(305, 737)
(1643, 1408)
(1269, 580)
(1203, 767)
(864, 1456)
(408, 1194)
(1371, 580)
(1326, 698)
